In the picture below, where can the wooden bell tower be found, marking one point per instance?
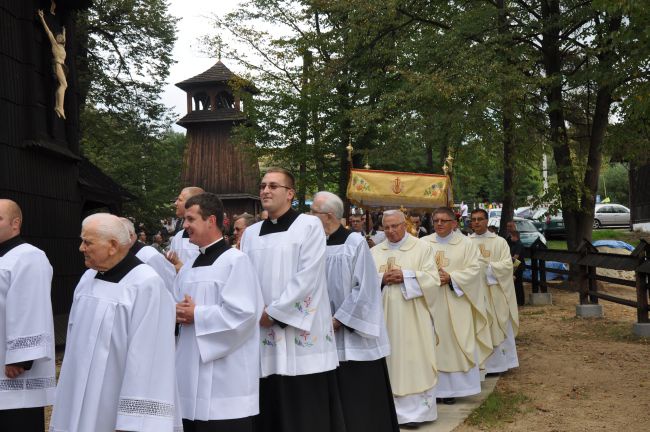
(212, 161)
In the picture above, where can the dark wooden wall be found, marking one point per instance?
(213, 162)
(39, 152)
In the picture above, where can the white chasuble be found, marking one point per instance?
(355, 296)
(26, 326)
(460, 321)
(289, 259)
(501, 300)
(217, 357)
(497, 262)
(150, 256)
(186, 251)
(412, 364)
(118, 368)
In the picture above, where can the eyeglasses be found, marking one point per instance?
(312, 211)
(442, 221)
(272, 186)
(477, 219)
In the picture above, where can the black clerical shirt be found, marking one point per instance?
(281, 224)
(120, 270)
(8, 245)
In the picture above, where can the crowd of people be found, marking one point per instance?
(298, 323)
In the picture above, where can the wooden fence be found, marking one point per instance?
(583, 277)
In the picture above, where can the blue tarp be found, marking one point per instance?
(528, 275)
(616, 244)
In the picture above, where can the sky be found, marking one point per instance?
(193, 24)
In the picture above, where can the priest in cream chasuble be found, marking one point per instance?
(500, 295)
(460, 316)
(410, 283)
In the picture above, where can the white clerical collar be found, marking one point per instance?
(204, 248)
(486, 234)
(399, 244)
(447, 239)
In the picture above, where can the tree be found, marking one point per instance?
(124, 54)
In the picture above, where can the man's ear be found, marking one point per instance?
(113, 246)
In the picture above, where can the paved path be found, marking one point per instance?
(450, 416)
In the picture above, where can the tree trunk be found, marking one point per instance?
(303, 125)
(552, 59)
(509, 147)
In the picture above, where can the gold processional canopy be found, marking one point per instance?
(393, 189)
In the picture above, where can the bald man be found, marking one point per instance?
(180, 248)
(26, 327)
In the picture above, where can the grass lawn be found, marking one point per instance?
(624, 234)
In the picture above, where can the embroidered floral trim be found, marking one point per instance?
(305, 339)
(28, 342)
(145, 407)
(269, 339)
(303, 307)
(27, 383)
(427, 401)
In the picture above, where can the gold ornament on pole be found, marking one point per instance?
(350, 149)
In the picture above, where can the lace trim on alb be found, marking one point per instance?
(27, 383)
(145, 407)
(28, 342)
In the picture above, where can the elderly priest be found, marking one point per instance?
(26, 329)
(118, 366)
(361, 337)
(410, 281)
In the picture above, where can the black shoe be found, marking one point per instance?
(411, 425)
(448, 401)
(438, 400)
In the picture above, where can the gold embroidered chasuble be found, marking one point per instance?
(501, 298)
(412, 362)
(461, 323)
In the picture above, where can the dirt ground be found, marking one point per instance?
(579, 374)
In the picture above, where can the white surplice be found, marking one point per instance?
(118, 369)
(26, 327)
(149, 255)
(217, 358)
(354, 289)
(185, 250)
(290, 266)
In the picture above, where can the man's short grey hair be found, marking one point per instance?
(331, 203)
(129, 225)
(399, 213)
(249, 219)
(108, 227)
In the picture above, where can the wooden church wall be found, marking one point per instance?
(38, 151)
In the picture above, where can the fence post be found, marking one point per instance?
(585, 275)
(534, 269)
(642, 327)
(641, 251)
(539, 276)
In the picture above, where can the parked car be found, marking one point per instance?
(527, 213)
(495, 212)
(528, 232)
(611, 215)
(552, 224)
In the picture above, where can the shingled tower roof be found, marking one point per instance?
(218, 73)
